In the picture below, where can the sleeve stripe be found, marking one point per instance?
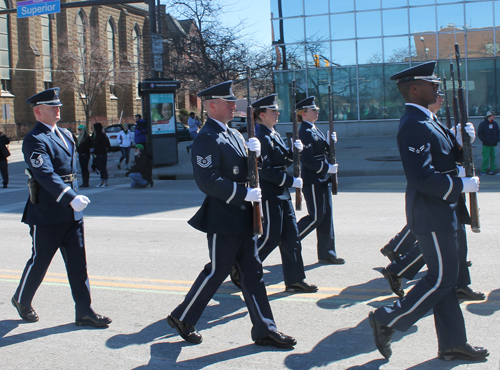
(232, 195)
(321, 168)
(284, 179)
(62, 193)
(449, 189)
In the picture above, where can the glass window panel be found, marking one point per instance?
(318, 54)
(480, 44)
(337, 6)
(497, 13)
(370, 51)
(446, 1)
(276, 30)
(316, 7)
(344, 53)
(396, 49)
(393, 3)
(394, 104)
(45, 48)
(293, 30)
(449, 15)
(422, 19)
(318, 80)
(367, 4)
(4, 59)
(295, 56)
(317, 29)
(395, 22)
(421, 2)
(447, 42)
(4, 42)
(45, 33)
(3, 25)
(283, 82)
(369, 24)
(277, 55)
(423, 47)
(342, 26)
(344, 91)
(481, 87)
(4, 73)
(274, 8)
(292, 8)
(479, 15)
(371, 98)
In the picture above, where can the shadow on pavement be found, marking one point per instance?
(487, 307)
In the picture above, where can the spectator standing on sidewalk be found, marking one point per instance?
(489, 134)
(4, 153)
(101, 147)
(194, 125)
(141, 131)
(125, 140)
(141, 172)
(83, 146)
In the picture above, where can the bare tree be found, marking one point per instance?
(87, 66)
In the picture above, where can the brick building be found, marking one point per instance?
(32, 50)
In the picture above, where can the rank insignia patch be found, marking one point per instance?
(36, 160)
(204, 162)
(416, 151)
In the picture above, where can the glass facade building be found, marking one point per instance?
(356, 45)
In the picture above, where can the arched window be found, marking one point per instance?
(110, 31)
(81, 36)
(46, 50)
(4, 49)
(136, 40)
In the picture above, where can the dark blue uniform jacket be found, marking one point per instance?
(275, 157)
(220, 165)
(49, 159)
(314, 157)
(429, 153)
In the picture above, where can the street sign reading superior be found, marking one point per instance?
(37, 7)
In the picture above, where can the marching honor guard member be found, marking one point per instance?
(280, 224)
(434, 210)
(316, 173)
(220, 163)
(54, 211)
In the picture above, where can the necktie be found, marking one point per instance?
(61, 137)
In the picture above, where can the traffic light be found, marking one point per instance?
(316, 60)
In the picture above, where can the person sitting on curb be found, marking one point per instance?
(141, 172)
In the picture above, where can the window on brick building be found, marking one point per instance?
(5, 74)
(136, 40)
(110, 31)
(82, 42)
(46, 48)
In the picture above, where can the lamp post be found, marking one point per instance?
(426, 50)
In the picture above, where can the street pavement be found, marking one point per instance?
(143, 257)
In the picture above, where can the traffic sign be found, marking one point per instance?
(37, 7)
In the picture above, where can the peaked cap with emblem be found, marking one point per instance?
(222, 91)
(307, 103)
(48, 97)
(269, 102)
(423, 72)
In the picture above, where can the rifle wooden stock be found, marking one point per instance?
(253, 172)
(296, 154)
(331, 150)
(467, 147)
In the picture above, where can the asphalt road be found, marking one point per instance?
(143, 257)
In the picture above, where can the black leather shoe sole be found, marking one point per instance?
(25, 314)
(333, 261)
(173, 324)
(452, 355)
(300, 288)
(97, 322)
(268, 341)
(394, 283)
(389, 254)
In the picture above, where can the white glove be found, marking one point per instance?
(79, 203)
(298, 144)
(461, 171)
(333, 136)
(333, 168)
(471, 184)
(469, 128)
(297, 182)
(253, 144)
(254, 194)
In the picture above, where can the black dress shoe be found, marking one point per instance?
(151, 183)
(389, 254)
(468, 263)
(277, 339)
(4, 186)
(94, 319)
(26, 313)
(235, 276)
(469, 295)
(301, 287)
(382, 334)
(186, 331)
(333, 261)
(464, 352)
(394, 282)
(84, 185)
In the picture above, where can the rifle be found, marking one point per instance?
(253, 173)
(447, 109)
(455, 100)
(331, 150)
(296, 154)
(467, 147)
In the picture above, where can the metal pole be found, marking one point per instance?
(152, 31)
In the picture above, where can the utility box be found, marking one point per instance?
(158, 107)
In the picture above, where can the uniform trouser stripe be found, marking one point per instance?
(410, 265)
(29, 268)
(202, 285)
(315, 212)
(268, 226)
(433, 289)
(402, 240)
